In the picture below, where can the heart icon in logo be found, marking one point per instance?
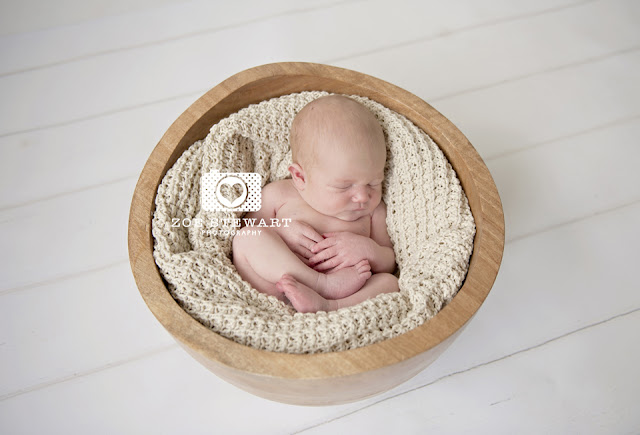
(231, 192)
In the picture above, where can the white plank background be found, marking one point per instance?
(546, 91)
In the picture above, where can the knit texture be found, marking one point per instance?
(428, 220)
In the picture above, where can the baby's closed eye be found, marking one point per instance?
(348, 186)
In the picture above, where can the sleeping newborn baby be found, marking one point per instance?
(336, 251)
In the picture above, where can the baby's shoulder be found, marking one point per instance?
(379, 231)
(279, 188)
(379, 214)
(273, 196)
(278, 193)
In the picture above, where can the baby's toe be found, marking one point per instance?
(363, 266)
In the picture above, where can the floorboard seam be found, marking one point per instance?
(537, 346)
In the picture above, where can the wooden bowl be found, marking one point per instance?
(325, 378)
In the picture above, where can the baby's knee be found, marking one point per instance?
(242, 241)
(247, 237)
(239, 241)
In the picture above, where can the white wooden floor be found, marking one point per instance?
(547, 92)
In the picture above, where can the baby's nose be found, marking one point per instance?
(360, 195)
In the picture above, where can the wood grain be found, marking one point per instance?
(337, 377)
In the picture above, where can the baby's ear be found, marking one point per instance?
(297, 175)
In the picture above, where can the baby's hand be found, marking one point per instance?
(300, 237)
(339, 250)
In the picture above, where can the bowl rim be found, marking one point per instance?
(280, 79)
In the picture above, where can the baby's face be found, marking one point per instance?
(348, 185)
(345, 154)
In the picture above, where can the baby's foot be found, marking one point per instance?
(303, 299)
(344, 282)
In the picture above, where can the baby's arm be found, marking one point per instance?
(298, 236)
(343, 249)
(271, 200)
(382, 258)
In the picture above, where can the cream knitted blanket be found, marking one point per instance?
(428, 220)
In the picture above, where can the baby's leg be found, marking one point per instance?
(251, 276)
(262, 259)
(305, 300)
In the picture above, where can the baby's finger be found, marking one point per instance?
(326, 265)
(306, 253)
(321, 246)
(306, 243)
(312, 234)
(301, 251)
(323, 255)
(303, 238)
(339, 266)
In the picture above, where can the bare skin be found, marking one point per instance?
(306, 300)
(336, 285)
(336, 252)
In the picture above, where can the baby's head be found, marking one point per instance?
(339, 154)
